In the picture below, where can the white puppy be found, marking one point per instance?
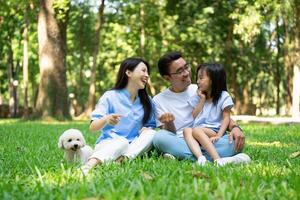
(72, 141)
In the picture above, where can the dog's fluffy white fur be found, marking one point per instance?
(73, 143)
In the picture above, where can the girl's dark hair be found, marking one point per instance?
(217, 75)
(122, 80)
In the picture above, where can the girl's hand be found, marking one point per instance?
(113, 119)
(214, 139)
(201, 94)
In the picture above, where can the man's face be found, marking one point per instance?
(179, 75)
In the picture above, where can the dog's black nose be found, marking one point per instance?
(75, 145)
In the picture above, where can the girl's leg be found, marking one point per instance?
(200, 135)
(107, 150)
(210, 133)
(192, 142)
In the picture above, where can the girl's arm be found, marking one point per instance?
(98, 124)
(225, 122)
(199, 106)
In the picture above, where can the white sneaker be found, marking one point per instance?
(240, 158)
(201, 161)
(223, 161)
(169, 156)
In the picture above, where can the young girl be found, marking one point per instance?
(212, 105)
(125, 115)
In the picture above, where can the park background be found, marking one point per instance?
(57, 57)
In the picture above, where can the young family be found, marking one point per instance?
(193, 120)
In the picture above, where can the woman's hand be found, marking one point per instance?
(113, 119)
(144, 129)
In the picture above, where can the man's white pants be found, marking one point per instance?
(111, 149)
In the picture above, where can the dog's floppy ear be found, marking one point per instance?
(60, 143)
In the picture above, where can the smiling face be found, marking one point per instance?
(179, 75)
(203, 81)
(139, 76)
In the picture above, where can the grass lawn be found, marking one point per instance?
(31, 167)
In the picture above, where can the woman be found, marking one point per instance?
(125, 115)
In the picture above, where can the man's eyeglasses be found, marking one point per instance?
(181, 70)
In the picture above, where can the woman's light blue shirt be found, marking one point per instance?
(118, 102)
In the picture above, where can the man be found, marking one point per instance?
(174, 114)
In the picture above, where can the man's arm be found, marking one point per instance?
(237, 134)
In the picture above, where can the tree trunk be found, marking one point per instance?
(142, 35)
(25, 63)
(92, 89)
(296, 67)
(287, 66)
(142, 43)
(79, 101)
(231, 69)
(13, 101)
(52, 100)
(277, 76)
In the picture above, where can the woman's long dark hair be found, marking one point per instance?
(217, 75)
(122, 81)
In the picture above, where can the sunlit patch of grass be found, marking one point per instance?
(9, 121)
(271, 144)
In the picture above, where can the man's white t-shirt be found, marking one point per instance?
(177, 104)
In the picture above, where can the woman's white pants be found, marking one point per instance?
(111, 149)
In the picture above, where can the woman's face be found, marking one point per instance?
(203, 81)
(139, 76)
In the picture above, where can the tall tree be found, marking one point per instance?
(143, 40)
(92, 89)
(277, 70)
(25, 62)
(12, 71)
(52, 100)
(287, 65)
(296, 67)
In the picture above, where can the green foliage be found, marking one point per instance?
(32, 167)
(246, 36)
(61, 8)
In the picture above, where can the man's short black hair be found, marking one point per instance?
(165, 61)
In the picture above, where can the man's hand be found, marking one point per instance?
(239, 137)
(113, 119)
(166, 118)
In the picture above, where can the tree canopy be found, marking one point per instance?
(258, 42)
